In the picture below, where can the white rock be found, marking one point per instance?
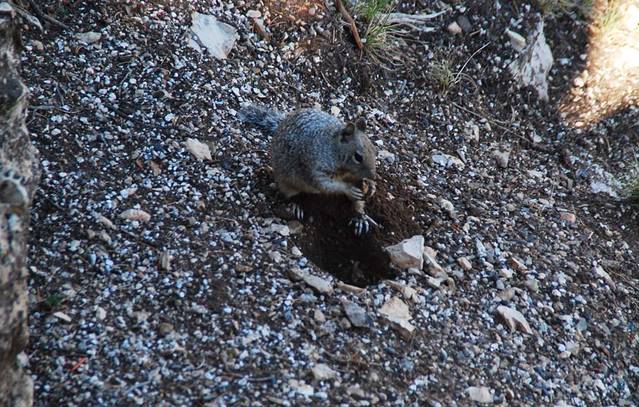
(506, 273)
(319, 284)
(301, 388)
(502, 158)
(275, 256)
(395, 308)
(350, 288)
(600, 186)
(62, 316)
(534, 63)
(217, 37)
(105, 221)
(408, 253)
(454, 28)
(434, 269)
(447, 160)
(516, 40)
(136, 214)
(397, 313)
(480, 394)
(447, 206)
(101, 313)
(405, 328)
(464, 263)
(514, 319)
(322, 371)
(281, 229)
(601, 273)
(89, 37)
(472, 133)
(198, 149)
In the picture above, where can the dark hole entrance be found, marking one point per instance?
(330, 242)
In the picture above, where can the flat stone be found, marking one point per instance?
(356, 314)
(89, 37)
(408, 253)
(517, 265)
(198, 149)
(281, 229)
(447, 161)
(601, 273)
(395, 308)
(322, 371)
(217, 37)
(464, 263)
(480, 394)
(350, 288)
(514, 319)
(136, 215)
(434, 269)
(454, 28)
(319, 284)
(568, 217)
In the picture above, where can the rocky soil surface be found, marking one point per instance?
(161, 273)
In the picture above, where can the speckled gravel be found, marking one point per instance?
(160, 278)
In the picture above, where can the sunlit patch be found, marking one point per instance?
(299, 12)
(610, 81)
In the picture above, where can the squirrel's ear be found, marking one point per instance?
(347, 132)
(361, 124)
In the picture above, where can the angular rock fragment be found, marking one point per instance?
(514, 319)
(198, 149)
(480, 394)
(356, 314)
(408, 253)
(217, 37)
(136, 214)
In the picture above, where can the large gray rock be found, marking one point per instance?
(18, 176)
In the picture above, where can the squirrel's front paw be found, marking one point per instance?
(369, 187)
(356, 193)
(362, 224)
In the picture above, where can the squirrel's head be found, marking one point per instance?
(357, 153)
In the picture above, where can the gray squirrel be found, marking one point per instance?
(316, 153)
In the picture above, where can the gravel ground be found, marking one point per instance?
(202, 295)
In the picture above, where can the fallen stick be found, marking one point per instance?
(340, 7)
(45, 16)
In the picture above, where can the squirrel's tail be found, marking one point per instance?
(261, 117)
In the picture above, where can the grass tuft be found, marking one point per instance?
(441, 73)
(573, 8)
(382, 40)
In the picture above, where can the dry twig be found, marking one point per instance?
(45, 16)
(340, 7)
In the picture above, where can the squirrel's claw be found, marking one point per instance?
(297, 211)
(363, 224)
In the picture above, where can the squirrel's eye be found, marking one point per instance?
(358, 158)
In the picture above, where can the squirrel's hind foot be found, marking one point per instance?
(12, 189)
(362, 224)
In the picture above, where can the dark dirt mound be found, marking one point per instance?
(329, 241)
